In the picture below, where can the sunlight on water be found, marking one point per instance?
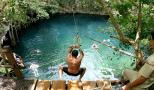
(34, 68)
(44, 47)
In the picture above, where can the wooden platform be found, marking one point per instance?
(10, 84)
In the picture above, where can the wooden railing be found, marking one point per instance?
(11, 84)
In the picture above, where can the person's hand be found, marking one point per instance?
(77, 46)
(60, 67)
(125, 87)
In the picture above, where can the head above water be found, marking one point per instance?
(75, 53)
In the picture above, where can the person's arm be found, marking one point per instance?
(137, 82)
(72, 47)
(14, 55)
(81, 54)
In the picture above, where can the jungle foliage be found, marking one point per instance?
(126, 14)
(130, 19)
(20, 13)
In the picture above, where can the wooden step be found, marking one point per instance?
(58, 85)
(104, 85)
(12, 84)
(89, 85)
(74, 85)
(43, 85)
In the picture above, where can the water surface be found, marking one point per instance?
(44, 45)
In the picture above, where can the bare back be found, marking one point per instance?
(74, 63)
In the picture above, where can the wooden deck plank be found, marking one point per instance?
(11, 84)
(89, 85)
(104, 85)
(58, 85)
(43, 85)
(74, 85)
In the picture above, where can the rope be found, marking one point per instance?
(74, 21)
(77, 37)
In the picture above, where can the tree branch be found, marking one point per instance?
(138, 34)
(130, 40)
(115, 23)
(113, 47)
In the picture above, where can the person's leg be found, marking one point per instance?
(130, 75)
(82, 73)
(113, 82)
(60, 71)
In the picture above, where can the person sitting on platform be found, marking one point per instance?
(144, 78)
(19, 60)
(73, 61)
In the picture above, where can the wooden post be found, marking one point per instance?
(89, 85)
(58, 85)
(43, 85)
(74, 85)
(104, 85)
(6, 51)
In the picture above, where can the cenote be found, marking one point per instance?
(44, 46)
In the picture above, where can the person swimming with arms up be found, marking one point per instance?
(94, 46)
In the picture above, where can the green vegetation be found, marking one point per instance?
(128, 17)
(21, 12)
(17, 13)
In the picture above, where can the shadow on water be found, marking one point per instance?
(44, 48)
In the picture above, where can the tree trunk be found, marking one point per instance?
(121, 37)
(138, 52)
(113, 47)
(11, 35)
(115, 23)
(13, 38)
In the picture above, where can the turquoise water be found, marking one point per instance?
(44, 45)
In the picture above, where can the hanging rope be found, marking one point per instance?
(76, 28)
(77, 41)
(77, 37)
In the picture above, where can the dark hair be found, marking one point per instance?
(75, 53)
(152, 34)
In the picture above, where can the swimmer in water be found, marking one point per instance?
(19, 60)
(34, 67)
(95, 46)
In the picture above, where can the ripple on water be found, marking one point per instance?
(46, 45)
